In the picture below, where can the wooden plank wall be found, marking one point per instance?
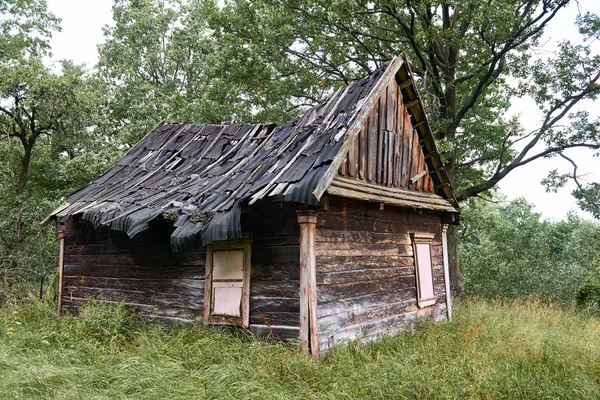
(148, 276)
(275, 277)
(365, 270)
(141, 271)
(387, 150)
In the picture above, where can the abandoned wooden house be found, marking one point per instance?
(327, 229)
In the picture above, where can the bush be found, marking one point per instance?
(588, 295)
(104, 321)
(507, 251)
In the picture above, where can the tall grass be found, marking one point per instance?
(490, 350)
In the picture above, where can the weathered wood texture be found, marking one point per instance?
(142, 272)
(366, 270)
(275, 276)
(169, 286)
(387, 150)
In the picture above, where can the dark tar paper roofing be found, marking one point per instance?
(201, 175)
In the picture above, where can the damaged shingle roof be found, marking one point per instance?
(201, 175)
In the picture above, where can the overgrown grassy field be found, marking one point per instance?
(490, 350)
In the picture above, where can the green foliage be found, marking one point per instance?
(588, 198)
(54, 137)
(588, 295)
(159, 60)
(54, 140)
(508, 252)
(25, 26)
(490, 350)
(472, 57)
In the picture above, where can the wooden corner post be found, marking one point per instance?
(446, 271)
(309, 328)
(61, 267)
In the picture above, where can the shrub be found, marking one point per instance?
(104, 321)
(588, 295)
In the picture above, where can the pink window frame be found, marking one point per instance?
(423, 238)
(244, 319)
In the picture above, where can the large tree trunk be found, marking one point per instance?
(24, 171)
(20, 190)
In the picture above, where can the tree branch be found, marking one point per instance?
(498, 176)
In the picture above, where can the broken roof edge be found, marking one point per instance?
(65, 204)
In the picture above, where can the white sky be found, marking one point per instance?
(82, 22)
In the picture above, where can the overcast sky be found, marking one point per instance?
(82, 22)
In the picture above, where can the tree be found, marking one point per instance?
(472, 58)
(157, 60)
(25, 26)
(48, 124)
(272, 58)
(508, 252)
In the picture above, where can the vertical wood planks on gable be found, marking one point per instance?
(380, 140)
(372, 145)
(422, 167)
(390, 157)
(414, 162)
(384, 156)
(406, 149)
(392, 100)
(387, 150)
(352, 159)
(344, 167)
(399, 141)
(362, 151)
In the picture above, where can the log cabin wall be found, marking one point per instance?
(169, 286)
(275, 276)
(366, 282)
(142, 271)
(387, 150)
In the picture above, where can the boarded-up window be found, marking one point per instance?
(227, 283)
(423, 268)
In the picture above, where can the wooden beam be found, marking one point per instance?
(61, 267)
(398, 197)
(309, 323)
(405, 84)
(419, 123)
(412, 103)
(442, 185)
(430, 154)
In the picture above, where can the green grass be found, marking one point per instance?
(490, 350)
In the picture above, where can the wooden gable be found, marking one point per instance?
(387, 151)
(389, 155)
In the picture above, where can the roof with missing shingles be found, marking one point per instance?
(201, 175)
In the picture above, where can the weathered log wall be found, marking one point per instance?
(142, 272)
(366, 270)
(169, 286)
(275, 277)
